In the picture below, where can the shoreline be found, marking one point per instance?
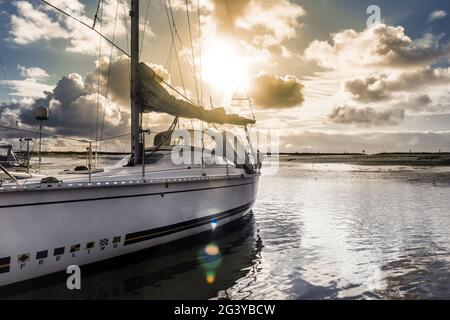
(381, 159)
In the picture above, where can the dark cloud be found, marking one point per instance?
(370, 89)
(365, 116)
(271, 91)
(400, 50)
(421, 103)
(380, 46)
(8, 118)
(416, 103)
(380, 87)
(74, 110)
(119, 79)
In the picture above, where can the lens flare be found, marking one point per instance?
(214, 224)
(212, 250)
(210, 259)
(210, 277)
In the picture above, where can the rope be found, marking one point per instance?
(63, 137)
(108, 77)
(99, 73)
(183, 47)
(125, 22)
(173, 40)
(145, 27)
(231, 20)
(201, 50)
(235, 40)
(192, 51)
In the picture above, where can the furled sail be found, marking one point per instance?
(155, 98)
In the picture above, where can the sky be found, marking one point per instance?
(326, 75)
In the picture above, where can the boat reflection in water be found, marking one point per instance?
(195, 268)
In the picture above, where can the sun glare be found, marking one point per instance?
(224, 68)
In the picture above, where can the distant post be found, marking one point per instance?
(42, 115)
(27, 156)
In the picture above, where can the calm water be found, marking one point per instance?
(318, 231)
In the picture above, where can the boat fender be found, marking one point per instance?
(81, 168)
(49, 180)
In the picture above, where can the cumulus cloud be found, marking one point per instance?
(119, 78)
(365, 116)
(370, 89)
(39, 22)
(34, 73)
(30, 25)
(77, 106)
(73, 106)
(74, 109)
(380, 46)
(379, 87)
(420, 103)
(416, 103)
(271, 91)
(437, 15)
(271, 22)
(260, 23)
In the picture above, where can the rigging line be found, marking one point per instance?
(37, 133)
(99, 74)
(201, 50)
(235, 40)
(108, 76)
(183, 47)
(117, 137)
(87, 26)
(192, 52)
(173, 40)
(231, 20)
(145, 27)
(168, 64)
(177, 91)
(63, 137)
(125, 22)
(96, 14)
(251, 107)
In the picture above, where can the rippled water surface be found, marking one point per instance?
(318, 231)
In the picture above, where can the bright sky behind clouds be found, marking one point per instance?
(313, 69)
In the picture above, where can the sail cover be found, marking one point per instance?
(155, 98)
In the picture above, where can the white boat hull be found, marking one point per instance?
(45, 231)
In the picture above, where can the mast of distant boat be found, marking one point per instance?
(136, 144)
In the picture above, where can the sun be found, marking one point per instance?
(224, 68)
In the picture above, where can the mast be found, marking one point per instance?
(136, 145)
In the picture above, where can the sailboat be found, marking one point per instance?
(146, 199)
